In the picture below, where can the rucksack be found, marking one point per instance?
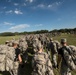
(3, 49)
(10, 56)
(73, 48)
(70, 56)
(40, 59)
(23, 46)
(42, 64)
(7, 55)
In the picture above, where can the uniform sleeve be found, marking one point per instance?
(54, 47)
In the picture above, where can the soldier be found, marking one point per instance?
(53, 47)
(41, 63)
(65, 68)
(23, 48)
(18, 58)
(35, 44)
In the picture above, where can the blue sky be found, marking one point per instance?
(32, 15)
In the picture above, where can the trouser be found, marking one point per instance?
(65, 70)
(54, 60)
(66, 73)
(16, 67)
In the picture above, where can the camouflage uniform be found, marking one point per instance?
(7, 55)
(53, 48)
(35, 43)
(16, 60)
(41, 64)
(23, 48)
(65, 68)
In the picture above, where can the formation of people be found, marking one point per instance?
(46, 55)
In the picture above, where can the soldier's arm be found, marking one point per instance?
(55, 48)
(20, 59)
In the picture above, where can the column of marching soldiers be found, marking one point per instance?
(46, 55)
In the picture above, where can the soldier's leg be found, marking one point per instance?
(15, 70)
(54, 60)
(64, 73)
(65, 70)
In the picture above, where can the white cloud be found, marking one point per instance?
(38, 25)
(7, 23)
(49, 6)
(58, 3)
(16, 4)
(19, 27)
(17, 12)
(24, 4)
(29, 1)
(4, 7)
(9, 12)
(8, 0)
(41, 5)
(52, 6)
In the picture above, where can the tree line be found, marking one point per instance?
(71, 31)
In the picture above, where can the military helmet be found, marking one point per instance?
(63, 40)
(15, 42)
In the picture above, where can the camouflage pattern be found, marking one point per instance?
(15, 70)
(3, 49)
(35, 44)
(23, 48)
(70, 57)
(23, 45)
(73, 48)
(54, 50)
(41, 64)
(65, 68)
(7, 56)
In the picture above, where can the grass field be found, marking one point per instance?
(71, 41)
(5, 38)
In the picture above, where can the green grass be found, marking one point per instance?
(71, 38)
(28, 69)
(5, 38)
